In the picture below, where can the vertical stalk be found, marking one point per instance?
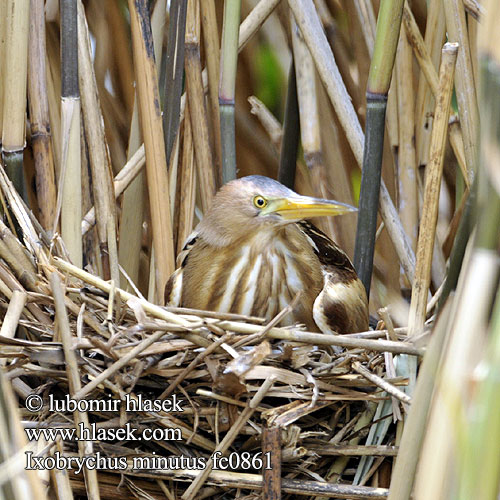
(379, 79)
(407, 171)
(431, 194)
(456, 27)
(212, 56)
(102, 176)
(197, 108)
(134, 198)
(187, 184)
(156, 164)
(309, 116)
(435, 31)
(15, 82)
(70, 182)
(173, 77)
(39, 117)
(229, 59)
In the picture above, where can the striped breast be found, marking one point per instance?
(259, 275)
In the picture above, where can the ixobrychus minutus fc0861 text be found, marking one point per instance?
(253, 252)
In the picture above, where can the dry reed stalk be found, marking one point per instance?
(431, 77)
(60, 477)
(339, 50)
(15, 83)
(14, 312)
(122, 181)
(17, 251)
(212, 56)
(18, 483)
(431, 195)
(133, 208)
(134, 200)
(198, 112)
(271, 476)
(424, 104)
(69, 203)
(54, 101)
(268, 121)
(98, 154)
(312, 31)
(39, 117)
(407, 168)
(74, 383)
(173, 74)
(227, 87)
(254, 21)
(151, 121)
(354, 450)
(367, 21)
(224, 445)
(33, 235)
(248, 481)
(383, 384)
(25, 276)
(310, 120)
(468, 112)
(392, 118)
(187, 188)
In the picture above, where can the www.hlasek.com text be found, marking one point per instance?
(98, 433)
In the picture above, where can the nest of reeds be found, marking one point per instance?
(178, 402)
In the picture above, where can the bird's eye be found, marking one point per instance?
(259, 201)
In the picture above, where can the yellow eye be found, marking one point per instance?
(259, 201)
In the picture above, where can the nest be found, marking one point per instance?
(175, 403)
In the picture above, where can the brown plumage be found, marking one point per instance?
(252, 253)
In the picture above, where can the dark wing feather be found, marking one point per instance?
(342, 305)
(329, 254)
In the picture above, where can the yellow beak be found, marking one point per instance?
(305, 207)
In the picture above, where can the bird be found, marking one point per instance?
(254, 250)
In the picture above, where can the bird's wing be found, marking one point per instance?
(329, 254)
(342, 305)
(173, 288)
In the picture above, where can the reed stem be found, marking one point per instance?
(227, 87)
(379, 80)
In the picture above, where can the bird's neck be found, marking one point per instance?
(220, 236)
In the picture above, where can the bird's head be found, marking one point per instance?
(255, 203)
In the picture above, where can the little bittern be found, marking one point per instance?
(253, 252)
